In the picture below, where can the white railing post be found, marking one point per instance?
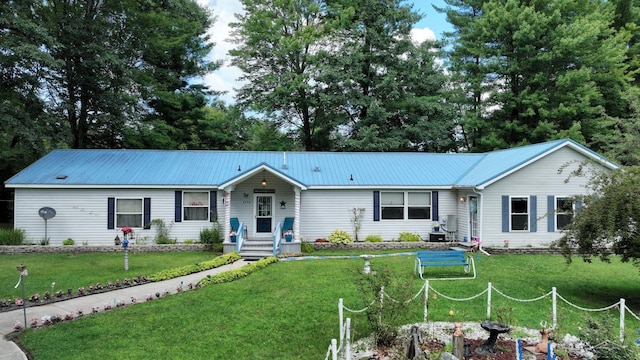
(347, 348)
(623, 308)
(489, 302)
(340, 316)
(555, 306)
(381, 301)
(426, 301)
(334, 349)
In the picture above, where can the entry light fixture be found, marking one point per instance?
(264, 181)
(462, 199)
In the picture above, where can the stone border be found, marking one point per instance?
(389, 245)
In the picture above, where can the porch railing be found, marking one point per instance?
(277, 239)
(240, 237)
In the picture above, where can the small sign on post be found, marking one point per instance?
(46, 213)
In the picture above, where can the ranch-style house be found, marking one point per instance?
(273, 201)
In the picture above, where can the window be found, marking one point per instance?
(419, 205)
(392, 204)
(405, 205)
(196, 205)
(519, 213)
(564, 212)
(129, 212)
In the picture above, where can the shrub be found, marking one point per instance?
(189, 241)
(340, 237)
(373, 238)
(197, 267)
(211, 235)
(162, 232)
(383, 316)
(409, 237)
(307, 247)
(235, 274)
(68, 241)
(11, 236)
(601, 335)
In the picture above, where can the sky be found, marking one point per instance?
(431, 26)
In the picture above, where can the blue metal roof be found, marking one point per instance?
(110, 167)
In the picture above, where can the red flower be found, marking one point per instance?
(126, 230)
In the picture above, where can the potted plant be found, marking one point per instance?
(436, 226)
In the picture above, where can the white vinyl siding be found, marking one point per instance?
(540, 179)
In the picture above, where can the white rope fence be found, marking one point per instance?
(336, 346)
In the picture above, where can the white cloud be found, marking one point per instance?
(421, 35)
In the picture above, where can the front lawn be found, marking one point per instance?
(289, 309)
(81, 270)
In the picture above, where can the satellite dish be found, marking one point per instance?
(47, 213)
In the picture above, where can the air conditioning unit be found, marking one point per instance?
(450, 223)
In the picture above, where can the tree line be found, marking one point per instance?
(330, 75)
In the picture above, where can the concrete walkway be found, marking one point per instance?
(10, 351)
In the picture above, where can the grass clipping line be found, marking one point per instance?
(236, 274)
(197, 267)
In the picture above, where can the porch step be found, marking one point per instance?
(256, 249)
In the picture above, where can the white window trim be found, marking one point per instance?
(185, 205)
(116, 213)
(511, 213)
(406, 206)
(556, 211)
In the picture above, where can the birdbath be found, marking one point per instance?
(494, 329)
(367, 263)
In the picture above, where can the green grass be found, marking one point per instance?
(76, 270)
(289, 309)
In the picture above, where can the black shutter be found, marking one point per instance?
(376, 206)
(111, 213)
(178, 211)
(213, 206)
(434, 205)
(147, 213)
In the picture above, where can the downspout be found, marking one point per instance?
(296, 213)
(481, 220)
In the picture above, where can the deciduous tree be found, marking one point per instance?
(607, 224)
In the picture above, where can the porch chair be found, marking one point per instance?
(235, 224)
(287, 229)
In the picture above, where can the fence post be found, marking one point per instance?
(381, 301)
(340, 316)
(347, 348)
(489, 302)
(555, 307)
(426, 301)
(622, 310)
(334, 349)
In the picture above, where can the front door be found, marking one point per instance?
(264, 214)
(473, 216)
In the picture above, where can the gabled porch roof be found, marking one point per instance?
(263, 167)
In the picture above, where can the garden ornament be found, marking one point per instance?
(543, 345)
